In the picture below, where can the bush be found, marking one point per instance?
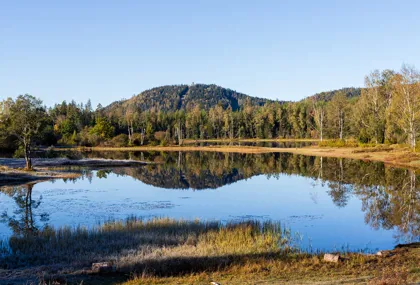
(86, 138)
(160, 136)
(119, 141)
(338, 143)
(136, 140)
(19, 153)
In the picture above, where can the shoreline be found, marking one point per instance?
(13, 174)
(392, 156)
(172, 251)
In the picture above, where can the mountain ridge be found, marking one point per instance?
(206, 96)
(186, 97)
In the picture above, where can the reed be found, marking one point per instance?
(134, 244)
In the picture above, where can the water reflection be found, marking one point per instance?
(23, 221)
(390, 197)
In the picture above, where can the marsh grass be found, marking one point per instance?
(158, 246)
(167, 251)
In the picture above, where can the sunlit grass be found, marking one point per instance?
(133, 243)
(167, 251)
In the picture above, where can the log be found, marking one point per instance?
(331, 257)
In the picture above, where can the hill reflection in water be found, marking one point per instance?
(390, 197)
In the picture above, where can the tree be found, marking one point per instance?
(318, 113)
(371, 108)
(102, 128)
(336, 111)
(4, 121)
(27, 118)
(130, 117)
(406, 104)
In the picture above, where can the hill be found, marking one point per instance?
(350, 92)
(185, 97)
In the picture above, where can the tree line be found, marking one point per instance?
(387, 111)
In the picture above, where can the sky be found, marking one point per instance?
(109, 50)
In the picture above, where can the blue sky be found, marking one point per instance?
(287, 50)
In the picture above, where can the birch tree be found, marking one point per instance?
(371, 107)
(337, 111)
(406, 104)
(318, 113)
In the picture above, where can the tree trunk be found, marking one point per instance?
(142, 136)
(179, 133)
(341, 127)
(28, 158)
(321, 129)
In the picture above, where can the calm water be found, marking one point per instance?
(330, 203)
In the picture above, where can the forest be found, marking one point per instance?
(386, 110)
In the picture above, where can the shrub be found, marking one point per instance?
(160, 136)
(87, 138)
(119, 141)
(338, 143)
(136, 140)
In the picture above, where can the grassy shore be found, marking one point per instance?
(157, 247)
(254, 140)
(165, 251)
(11, 176)
(13, 173)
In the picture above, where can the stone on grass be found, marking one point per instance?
(103, 267)
(331, 257)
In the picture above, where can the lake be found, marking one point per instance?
(329, 203)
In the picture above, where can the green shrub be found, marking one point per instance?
(119, 141)
(136, 140)
(19, 153)
(338, 143)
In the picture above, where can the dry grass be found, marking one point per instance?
(3, 168)
(158, 247)
(165, 251)
(189, 141)
(18, 176)
(400, 267)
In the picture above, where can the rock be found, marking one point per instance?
(103, 267)
(214, 283)
(331, 257)
(379, 253)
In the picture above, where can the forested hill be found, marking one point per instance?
(350, 92)
(186, 97)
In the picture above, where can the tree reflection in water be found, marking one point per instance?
(390, 196)
(23, 222)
